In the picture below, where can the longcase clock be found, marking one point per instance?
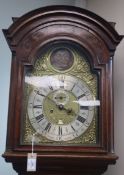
(61, 91)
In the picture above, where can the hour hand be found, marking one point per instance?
(68, 110)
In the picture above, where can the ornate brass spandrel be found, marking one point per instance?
(82, 70)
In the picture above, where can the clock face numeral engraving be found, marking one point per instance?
(82, 95)
(39, 118)
(51, 88)
(73, 128)
(81, 119)
(60, 131)
(48, 127)
(61, 81)
(84, 107)
(56, 109)
(37, 106)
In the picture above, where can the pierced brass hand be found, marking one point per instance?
(68, 110)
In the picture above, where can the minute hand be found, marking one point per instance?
(83, 105)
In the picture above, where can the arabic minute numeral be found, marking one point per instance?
(51, 88)
(86, 123)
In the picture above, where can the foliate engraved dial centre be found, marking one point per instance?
(61, 97)
(59, 107)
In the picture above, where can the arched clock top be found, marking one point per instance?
(45, 24)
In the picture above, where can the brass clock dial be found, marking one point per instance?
(54, 109)
(58, 96)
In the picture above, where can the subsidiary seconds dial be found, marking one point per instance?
(55, 107)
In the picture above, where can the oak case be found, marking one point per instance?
(97, 39)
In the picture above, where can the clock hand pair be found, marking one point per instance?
(60, 106)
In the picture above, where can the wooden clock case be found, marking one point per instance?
(25, 37)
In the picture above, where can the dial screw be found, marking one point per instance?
(60, 106)
(51, 110)
(69, 111)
